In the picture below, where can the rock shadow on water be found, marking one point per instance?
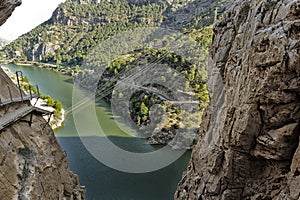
(103, 182)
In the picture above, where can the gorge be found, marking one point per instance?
(102, 181)
(248, 145)
(65, 42)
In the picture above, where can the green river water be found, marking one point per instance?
(103, 182)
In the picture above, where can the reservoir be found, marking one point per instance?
(101, 181)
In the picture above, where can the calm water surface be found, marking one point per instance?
(101, 181)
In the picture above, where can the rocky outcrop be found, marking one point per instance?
(249, 138)
(32, 164)
(6, 9)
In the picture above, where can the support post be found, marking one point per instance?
(49, 118)
(30, 93)
(48, 121)
(18, 80)
(38, 92)
(31, 117)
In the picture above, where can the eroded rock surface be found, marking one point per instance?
(249, 144)
(6, 9)
(33, 165)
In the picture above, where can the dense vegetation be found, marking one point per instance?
(142, 100)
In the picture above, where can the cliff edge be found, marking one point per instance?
(32, 164)
(249, 144)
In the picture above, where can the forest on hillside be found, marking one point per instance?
(74, 29)
(67, 39)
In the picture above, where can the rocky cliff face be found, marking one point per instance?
(249, 145)
(32, 164)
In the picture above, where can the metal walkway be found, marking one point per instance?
(17, 100)
(14, 116)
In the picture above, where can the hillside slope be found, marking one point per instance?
(76, 27)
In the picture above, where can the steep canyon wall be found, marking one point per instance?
(249, 139)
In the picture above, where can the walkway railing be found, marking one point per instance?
(17, 100)
(23, 96)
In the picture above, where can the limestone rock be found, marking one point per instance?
(249, 138)
(294, 176)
